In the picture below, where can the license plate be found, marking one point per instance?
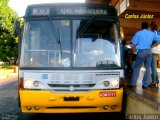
(107, 94)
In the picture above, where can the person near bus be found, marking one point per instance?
(127, 59)
(142, 41)
(154, 76)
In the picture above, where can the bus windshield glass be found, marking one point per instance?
(70, 43)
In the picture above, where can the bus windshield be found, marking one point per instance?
(70, 43)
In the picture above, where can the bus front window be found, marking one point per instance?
(46, 44)
(96, 45)
(70, 43)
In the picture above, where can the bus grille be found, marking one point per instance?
(78, 81)
(82, 76)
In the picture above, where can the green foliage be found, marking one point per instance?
(6, 70)
(8, 43)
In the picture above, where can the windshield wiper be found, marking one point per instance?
(54, 30)
(85, 26)
(57, 35)
(60, 42)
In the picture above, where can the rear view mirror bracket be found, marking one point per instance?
(17, 28)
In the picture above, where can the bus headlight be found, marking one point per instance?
(114, 83)
(106, 83)
(28, 83)
(36, 83)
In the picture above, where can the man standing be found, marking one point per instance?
(155, 81)
(142, 41)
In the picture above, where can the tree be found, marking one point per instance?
(8, 43)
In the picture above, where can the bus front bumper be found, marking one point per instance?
(73, 102)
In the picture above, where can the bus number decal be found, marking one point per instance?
(44, 76)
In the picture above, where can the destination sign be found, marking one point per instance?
(49, 10)
(69, 11)
(83, 11)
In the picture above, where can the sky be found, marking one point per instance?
(20, 5)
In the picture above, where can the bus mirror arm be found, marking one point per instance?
(17, 28)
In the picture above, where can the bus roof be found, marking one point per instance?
(85, 9)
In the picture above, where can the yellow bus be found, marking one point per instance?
(70, 59)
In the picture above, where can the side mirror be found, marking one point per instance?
(16, 28)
